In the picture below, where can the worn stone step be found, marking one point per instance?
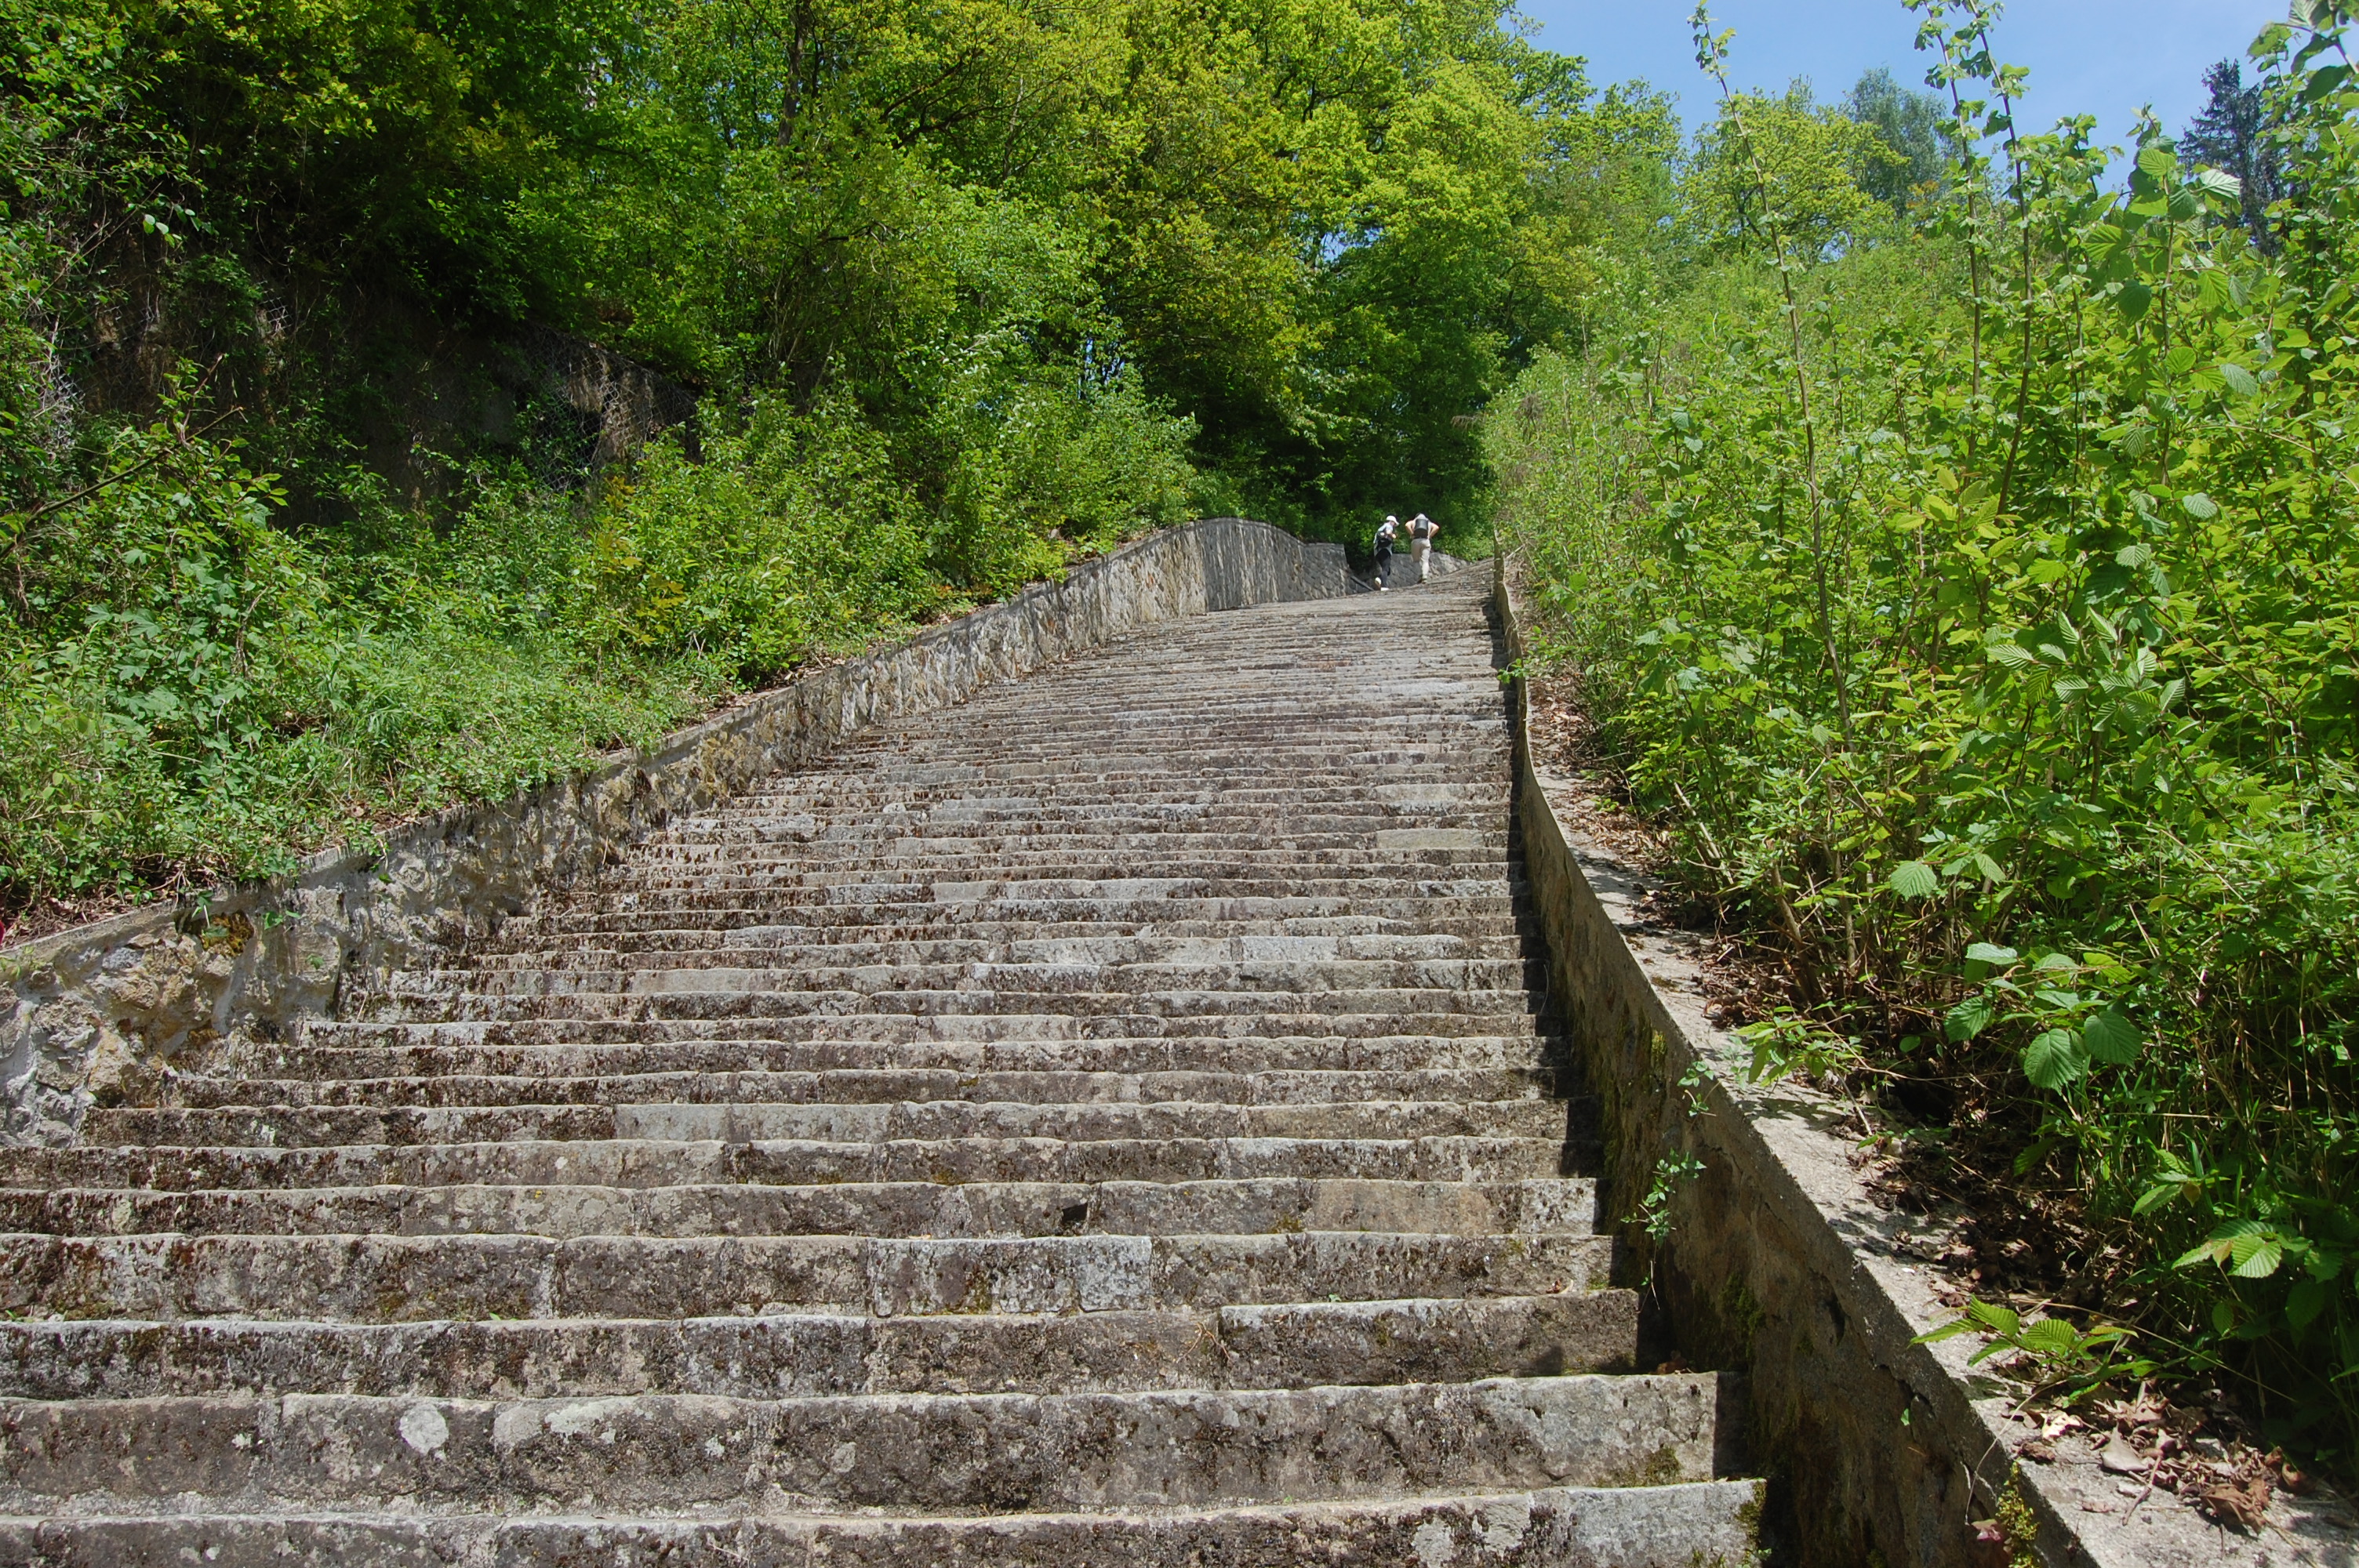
(1081, 755)
(265, 1132)
(905, 1452)
(865, 1086)
(969, 825)
(315, 1127)
(640, 1162)
(1184, 1055)
(817, 919)
(404, 1279)
(895, 891)
(1522, 1020)
(972, 877)
(805, 1355)
(967, 941)
(1256, 1206)
(1677, 1526)
(1229, 974)
(987, 820)
(1398, 1003)
(764, 949)
(1132, 853)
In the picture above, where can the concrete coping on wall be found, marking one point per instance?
(1779, 1263)
(106, 1011)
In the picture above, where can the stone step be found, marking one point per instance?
(1022, 818)
(1220, 870)
(807, 1354)
(885, 896)
(1520, 1022)
(904, 1453)
(1399, 1003)
(879, 1086)
(1675, 1526)
(1332, 823)
(1182, 916)
(405, 1279)
(1453, 781)
(946, 852)
(640, 1160)
(1289, 974)
(887, 1123)
(1373, 883)
(1257, 1206)
(863, 782)
(1182, 1055)
(969, 940)
(1083, 756)
(770, 949)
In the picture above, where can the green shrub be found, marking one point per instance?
(1977, 609)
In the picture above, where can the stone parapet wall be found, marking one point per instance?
(1779, 1264)
(102, 1012)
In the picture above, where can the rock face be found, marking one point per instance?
(1111, 1120)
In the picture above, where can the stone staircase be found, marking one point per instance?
(1109, 1122)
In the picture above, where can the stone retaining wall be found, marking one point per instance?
(1779, 1264)
(100, 1011)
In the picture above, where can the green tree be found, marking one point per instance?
(1915, 125)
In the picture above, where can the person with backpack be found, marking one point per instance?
(1421, 530)
(1387, 534)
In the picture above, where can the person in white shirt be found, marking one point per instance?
(1421, 530)
(1388, 536)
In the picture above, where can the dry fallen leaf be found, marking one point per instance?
(2119, 1457)
(2059, 1422)
(2245, 1506)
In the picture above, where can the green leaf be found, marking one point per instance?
(2008, 655)
(2323, 80)
(1915, 879)
(2156, 159)
(2111, 1039)
(2133, 556)
(2304, 1303)
(2134, 299)
(2255, 1255)
(2204, 1252)
(2052, 1336)
(2053, 1059)
(1968, 1019)
(2220, 182)
(1991, 1315)
(1990, 953)
(2200, 506)
(2240, 380)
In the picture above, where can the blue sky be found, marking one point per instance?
(2100, 57)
